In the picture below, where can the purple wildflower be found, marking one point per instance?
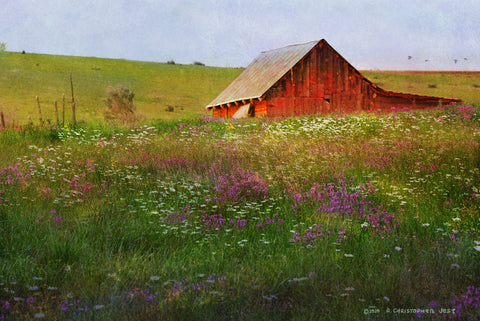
(212, 222)
(466, 306)
(58, 220)
(6, 306)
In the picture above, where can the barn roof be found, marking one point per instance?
(263, 73)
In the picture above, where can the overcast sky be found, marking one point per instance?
(370, 34)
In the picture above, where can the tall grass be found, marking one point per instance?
(339, 217)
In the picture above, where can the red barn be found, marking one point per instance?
(305, 79)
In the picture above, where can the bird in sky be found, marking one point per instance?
(455, 60)
(410, 57)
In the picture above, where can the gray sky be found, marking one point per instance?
(370, 34)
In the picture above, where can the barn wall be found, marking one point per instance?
(225, 112)
(322, 82)
(217, 112)
(260, 109)
(383, 102)
(388, 101)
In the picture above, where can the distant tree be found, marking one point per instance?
(3, 46)
(171, 62)
(198, 63)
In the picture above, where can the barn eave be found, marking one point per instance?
(238, 102)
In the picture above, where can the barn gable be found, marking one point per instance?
(305, 79)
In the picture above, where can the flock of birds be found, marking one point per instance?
(427, 60)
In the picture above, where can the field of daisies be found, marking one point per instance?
(338, 217)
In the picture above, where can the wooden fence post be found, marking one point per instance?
(63, 111)
(74, 120)
(56, 113)
(39, 111)
(2, 120)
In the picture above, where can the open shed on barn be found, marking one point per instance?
(306, 79)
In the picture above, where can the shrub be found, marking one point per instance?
(120, 105)
(198, 63)
(171, 62)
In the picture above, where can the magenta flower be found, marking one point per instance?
(6, 306)
(58, 220)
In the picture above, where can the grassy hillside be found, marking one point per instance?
(156, 85)
(186, 87)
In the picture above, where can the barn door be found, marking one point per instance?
(242, 112)
(327, 104)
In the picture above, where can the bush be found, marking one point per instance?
(198, 63)
(171, 62)
(120, 107)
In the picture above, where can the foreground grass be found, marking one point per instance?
(365, 217)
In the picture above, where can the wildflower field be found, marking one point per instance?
(338, 217)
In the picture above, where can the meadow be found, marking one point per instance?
(188, 217)
(334, 217)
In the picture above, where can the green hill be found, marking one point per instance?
(188, 88)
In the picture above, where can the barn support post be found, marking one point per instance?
(293, 93)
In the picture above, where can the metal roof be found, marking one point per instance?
(263, 73)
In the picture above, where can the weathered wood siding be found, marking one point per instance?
(322, 82)
(225, 112)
